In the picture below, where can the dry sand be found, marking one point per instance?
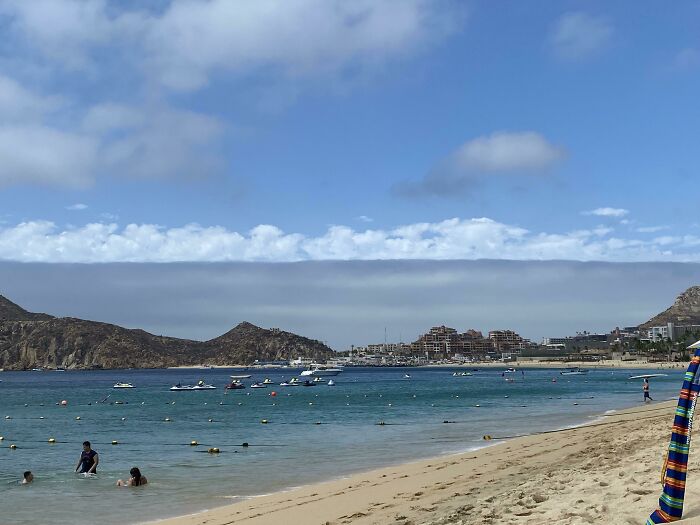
(607, 472)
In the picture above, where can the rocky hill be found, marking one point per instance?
(29, 340)
(684, 311)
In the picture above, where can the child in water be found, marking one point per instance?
(135, 480)
(27, 478)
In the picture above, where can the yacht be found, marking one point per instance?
(321, 370)
(123, 385)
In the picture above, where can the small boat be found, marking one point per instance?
(331, 382)
(318, 380)
(235, 385)
(267, 381)
(308, 383)
(574, 372)
(407, 376)
(510, 370)
(258, 385)
(59, 369)
(321, 370)
(123, 385)
(292, 382)
(461, 374)
(240, 377)
(199, 386)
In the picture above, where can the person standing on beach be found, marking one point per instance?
(645, 388)
(88, 460)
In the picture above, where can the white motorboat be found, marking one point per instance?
(331, 382)
(258, 385)
(267, 381)
(321, 370)
(292, 382)
(574, 372)
(123, 385)
(318, 379)
(461, 374)
(241, 377)
(407, 376)
(510, 370)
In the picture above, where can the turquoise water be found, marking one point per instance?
(428, 414)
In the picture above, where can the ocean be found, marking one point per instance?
(372, 417)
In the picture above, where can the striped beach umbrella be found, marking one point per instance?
(676, 466)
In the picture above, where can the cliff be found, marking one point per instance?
(684, 311)
(29, 340)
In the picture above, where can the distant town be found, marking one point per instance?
(446, 345)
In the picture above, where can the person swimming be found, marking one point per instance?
(88, 461)
(27, 478)
(135, 480)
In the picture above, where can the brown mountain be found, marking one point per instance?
(29, 340)
(684, 311)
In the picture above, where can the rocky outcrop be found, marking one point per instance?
(684, 311)
(43, 341)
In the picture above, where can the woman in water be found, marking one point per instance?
(135, 480)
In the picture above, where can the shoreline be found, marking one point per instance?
(605, 470)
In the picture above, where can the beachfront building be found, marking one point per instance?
(671, 331)
(508, 340)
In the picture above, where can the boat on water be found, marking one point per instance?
(123, 385)
(331, 382)
(267, 381)
(258, 385)
(244, 376)
(407, 376)
(510, 370)
(201, 385)
(308, 383)
(292, 382)
(574, 372)
(316, 369)
(318, 379)
(461, 374)
(235, 385)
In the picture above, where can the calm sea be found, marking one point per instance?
(313, 433)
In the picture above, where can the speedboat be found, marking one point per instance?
(123, 385)
(258, 385)
(235, 385)
(267, 381)
(577, 371)
(292, 382)
(510, 370)
(331, 382)
(308, 383)
(321, 370)
(407, 376)
(240, 377)
(318, 380)
(461, 374)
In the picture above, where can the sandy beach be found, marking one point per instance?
(604, 472)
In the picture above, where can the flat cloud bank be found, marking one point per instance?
(352, 302)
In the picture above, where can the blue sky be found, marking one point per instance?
(314, 129)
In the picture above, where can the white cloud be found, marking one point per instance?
(578, 35)
(501, 153)
(77, 207)
(607, 212)
(508, 151)
(479, 238)
(651, 229)
(365, 218)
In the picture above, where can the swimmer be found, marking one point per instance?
(27, 477)
(135, 480)
(88, 461)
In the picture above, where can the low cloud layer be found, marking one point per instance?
(479, 238)
(346, 303)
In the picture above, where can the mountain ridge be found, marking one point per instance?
(684, 311)
(32, 340)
